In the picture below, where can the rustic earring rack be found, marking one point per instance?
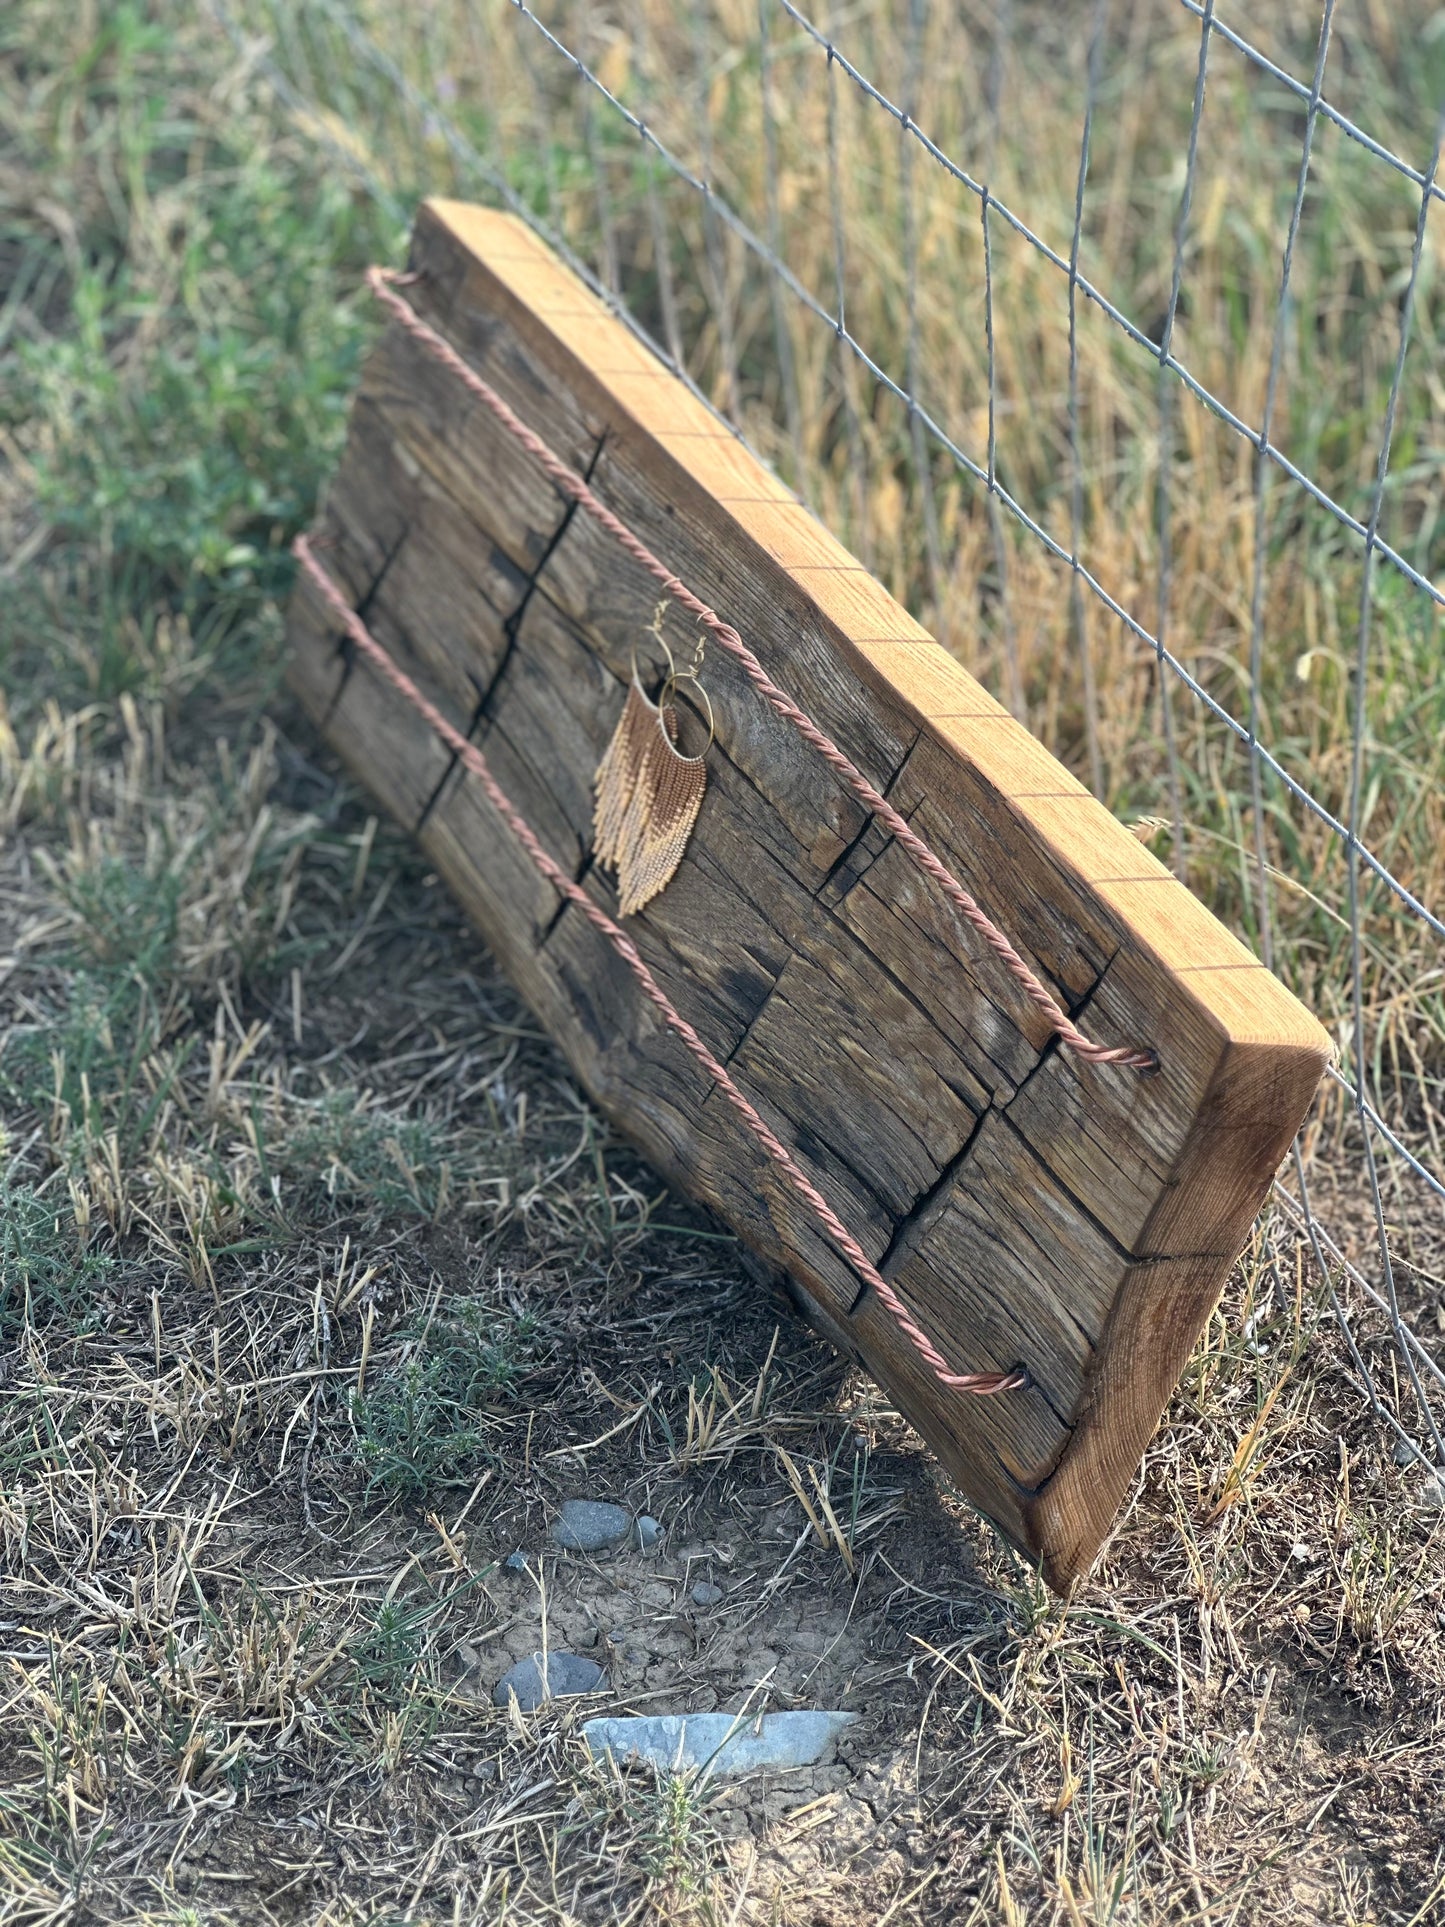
(1027, 1205)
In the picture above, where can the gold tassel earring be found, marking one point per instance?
(617, 773)
(666, 796)
(616, 776)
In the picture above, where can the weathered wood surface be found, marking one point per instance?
(1031, 1209)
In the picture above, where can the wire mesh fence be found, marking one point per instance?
(1109, 338)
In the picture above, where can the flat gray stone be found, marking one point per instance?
(590, 1525)
(705, 1593)
(565, 1673)
(515, 1562)
(647, 1534)
(720, 1744)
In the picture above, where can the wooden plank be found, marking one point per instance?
(1031, 1209)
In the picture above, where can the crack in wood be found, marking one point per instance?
(753, 1021)
(814, 1146)
(912, 998)
(808, 1142)
(511, 629)
(368, 601)
(812, 1143)
(1077, 1202)
(870, 823)
(909, 1228)
(512, 624)
(1079, 1012)
(1024, 1490)
(579, 876)
(345, 647)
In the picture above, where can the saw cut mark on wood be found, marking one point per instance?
(1030, 1208)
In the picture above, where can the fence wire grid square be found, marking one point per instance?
(1109, 338)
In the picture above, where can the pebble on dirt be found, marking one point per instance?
(564, 1674)
(647, 1534)
(590, 1525)
(515, 1562)
(705, 1593)
(725, 1744)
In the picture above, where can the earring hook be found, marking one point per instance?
(654, 628)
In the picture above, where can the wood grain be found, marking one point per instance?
(1030, 1208)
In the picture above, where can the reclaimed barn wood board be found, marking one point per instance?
(1030, 1208)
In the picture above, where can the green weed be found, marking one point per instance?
(48, 1271)
(422, 1425)
(363, 1156)
(679, 1844)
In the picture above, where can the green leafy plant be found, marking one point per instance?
(48, 1271)
(422, 1425)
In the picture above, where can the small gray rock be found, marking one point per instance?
(564, 1673)
(1429, 1490)
(515, 1562)
(646, 1534)
(722, 1744)
(1405, 1453)
(705, 1593)
(590, 1525)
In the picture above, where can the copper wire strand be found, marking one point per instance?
(383, 282)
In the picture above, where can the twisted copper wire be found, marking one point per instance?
(573, 485)
(981, 1384)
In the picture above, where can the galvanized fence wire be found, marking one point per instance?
(1386, 1161)
(782, 276)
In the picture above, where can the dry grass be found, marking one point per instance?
(320, 1286)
